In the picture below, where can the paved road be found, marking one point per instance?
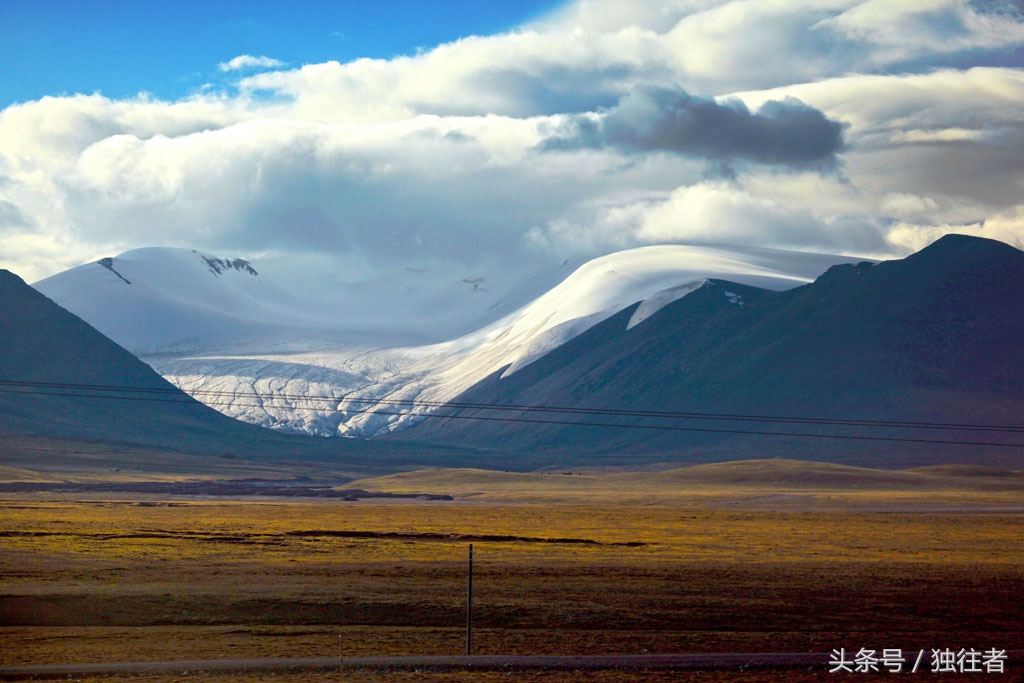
(709, 662)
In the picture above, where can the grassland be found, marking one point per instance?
(753, 484)
(794, 558)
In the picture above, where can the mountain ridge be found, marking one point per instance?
(236, 335)
(933, 338)
(62, 379)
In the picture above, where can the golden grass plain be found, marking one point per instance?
(753, 484)
(586, 564)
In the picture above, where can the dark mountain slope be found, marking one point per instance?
(41, 343)
(935, 337)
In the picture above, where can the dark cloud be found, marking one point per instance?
(655, 119)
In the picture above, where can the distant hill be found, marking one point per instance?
(59, 377)
(937, 337)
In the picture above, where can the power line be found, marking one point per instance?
(675, 428)
(171, 395)
(617, 412)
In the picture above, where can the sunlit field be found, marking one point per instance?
(142, 579)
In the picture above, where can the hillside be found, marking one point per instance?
(931, 338)
(61, 379)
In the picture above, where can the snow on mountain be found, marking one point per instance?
(318, 352)
(160, 300)
(930, 339)
(654, 276)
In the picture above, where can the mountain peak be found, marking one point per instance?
(965, 249)
(969, 258)
(961, 242)
(9, 279)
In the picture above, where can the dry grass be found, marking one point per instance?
(145, 579)
(754, 484)
(761, 556)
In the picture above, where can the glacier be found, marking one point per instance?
(307, 348)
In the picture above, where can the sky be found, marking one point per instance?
(464, 136)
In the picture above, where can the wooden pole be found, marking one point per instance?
(469, 605)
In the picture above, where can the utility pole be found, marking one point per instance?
(469, 606)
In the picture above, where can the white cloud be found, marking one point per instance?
(246, 62)
(902, 31)
(605, 16)
(54, 130)
(717, 212)
(520, 74)
(441, 155)
(1006, 227)
(881, 106)
(908, 206)
(729, 214)
(387, 191)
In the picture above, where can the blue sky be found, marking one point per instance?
(466, 136)
(169, 49)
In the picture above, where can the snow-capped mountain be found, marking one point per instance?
(300, 349)
(908, 362)
(59, 377)
(174, 300)
(160, 300)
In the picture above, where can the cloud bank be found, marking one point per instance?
(843, 125)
